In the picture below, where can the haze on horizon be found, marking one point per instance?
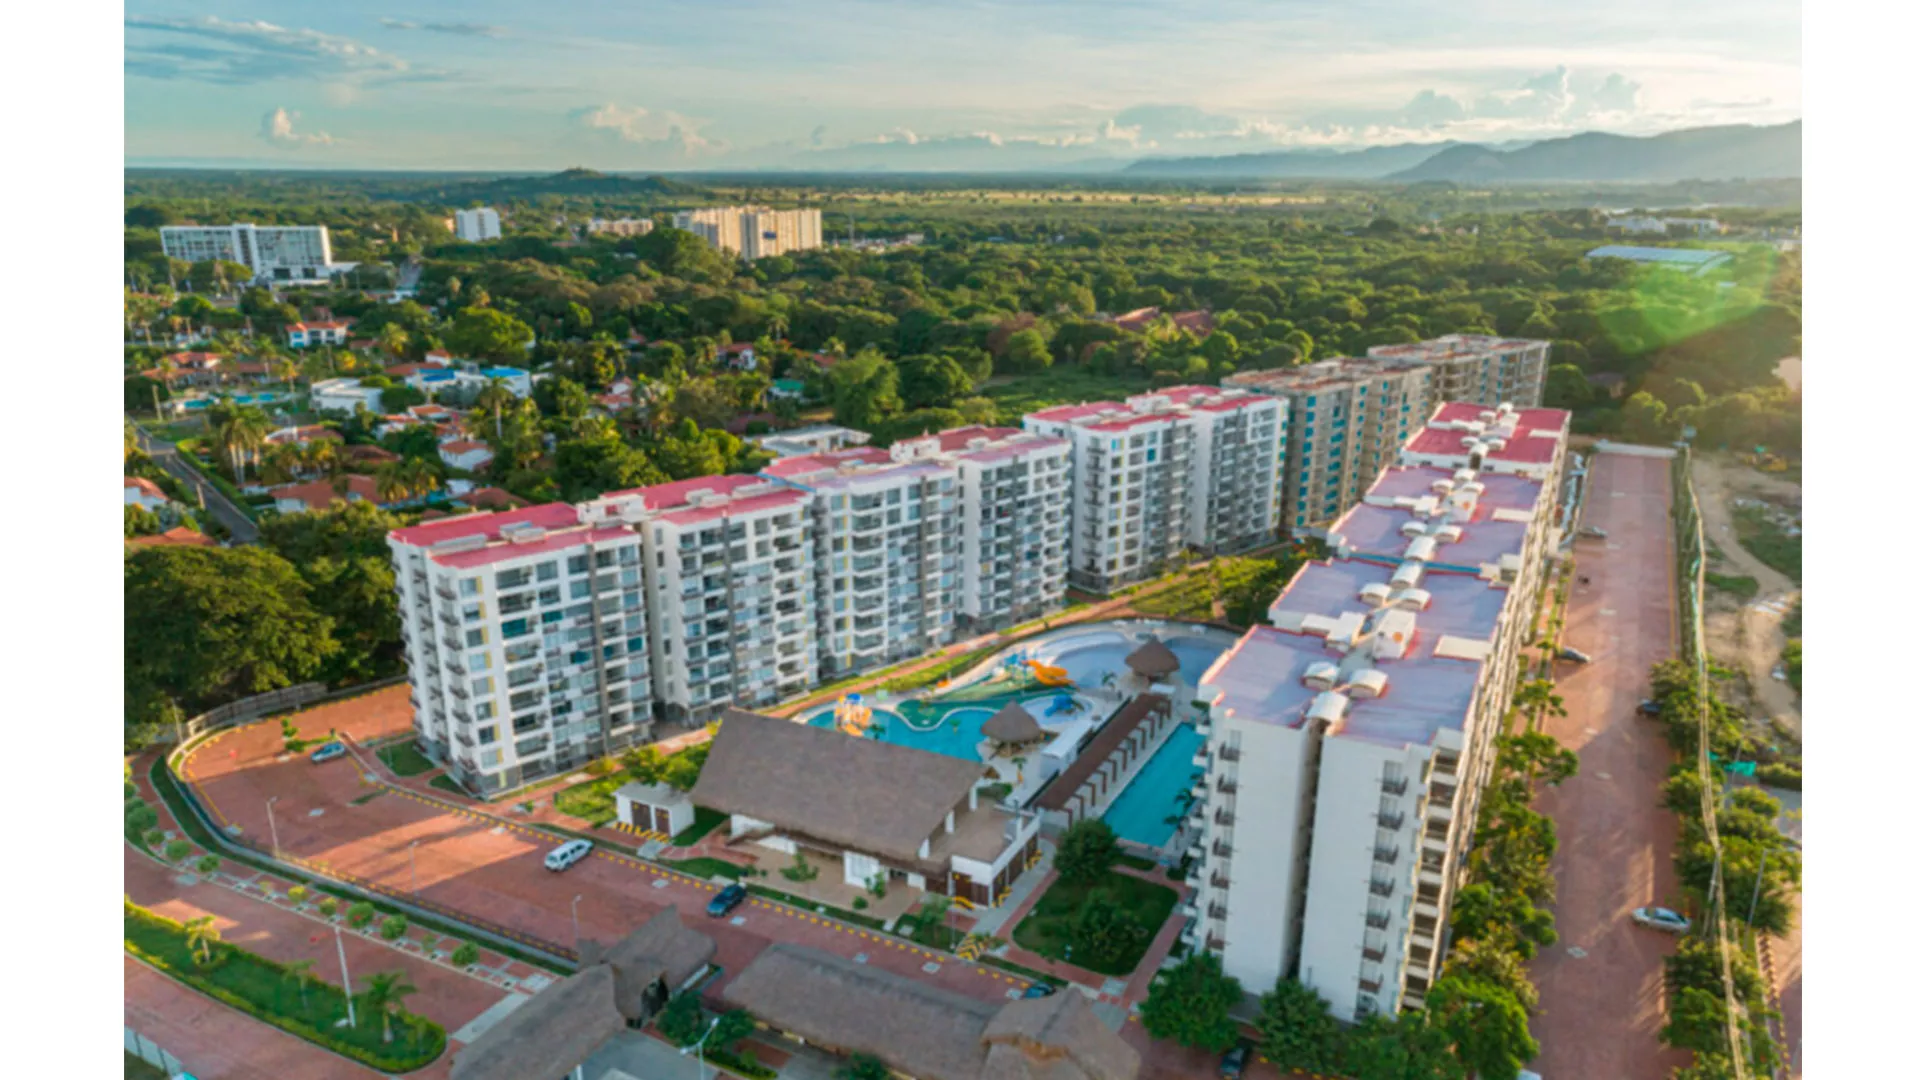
(908, 85)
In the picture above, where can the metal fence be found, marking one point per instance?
(286, 699)
(153, 1053)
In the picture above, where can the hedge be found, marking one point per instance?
(261, 988)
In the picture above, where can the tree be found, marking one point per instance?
(207, 625)
(202, 936)
(1409, 1048)
(1188, 1003)
(384, 994)
(239, 431)
(141, 521)
(681, 1021)
(1645, 418)
(1567, 388)
(729, 1028)
(1027, 351)
(1106, 933)
(1297, 1032)
(865, 390)
(928, 381)
(486, 334)
(863, 1067)
(1087, 851)
(1487, 1025)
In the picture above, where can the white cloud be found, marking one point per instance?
(223, 52)
(458, 29)
(276, 127)
(678, 136)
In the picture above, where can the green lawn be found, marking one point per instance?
(1768, 542)
(405, 759)
(140, 1070)
(1138, 862)
(945, 668)
(704, 822)
(593, 800)
(1023, 394)
(1049, 927)
(447, 783)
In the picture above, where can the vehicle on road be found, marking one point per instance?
(1038, 990)
(1234, 1062)
(568, 853)
(1594, 532)
(726, 900)
(1662, 919)
(1648, 707)
(328, 752)
(1575, 655)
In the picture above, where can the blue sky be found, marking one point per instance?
(903, 84)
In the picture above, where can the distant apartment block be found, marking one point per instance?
(1142, 493)
(1013, 520)
(1476, 368)
(480, 223)
(526, 641)
(1349, 742)
(288, 254)
(730, 588)
(619, 226)
(753, 232)
(886, 551)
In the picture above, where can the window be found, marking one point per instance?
(483, 685)
(483, 710)
(470, 586)
(577, 564)
(479, 661)
(476, 638)
(488, 734)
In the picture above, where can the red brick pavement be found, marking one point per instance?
(1600, 1013)
(215, 1042)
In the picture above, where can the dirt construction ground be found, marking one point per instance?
(1748, 634)
(1601, 997)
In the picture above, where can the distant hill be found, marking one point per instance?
(573, 182)
(1713, 153)
(1373, 163)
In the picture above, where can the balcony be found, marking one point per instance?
(1228, 786)
(1392, 819)
(1229, 753)
(1373, 954)
(1378, 920)
(1223, 816)
(1369, 986)
(1380, 888)
(1216, 911)
(1216, 943)
(1223, 849)
(1394, 785)
(1386, 855)
(1219, 880)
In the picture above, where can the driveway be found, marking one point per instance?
(1601, 994)
(222, 508)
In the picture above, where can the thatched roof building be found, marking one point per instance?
(1153, 661)
(1013, 726)
(926, 1032)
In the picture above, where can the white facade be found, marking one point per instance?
(526, 639)
(753, 232)
(1013, 520)
(1476, 369)
(467, 454)
(343, 395)
(275, 253)
(480, 223)
(619, 226)
(302, 335)
(1239, 439)
(731, 590)
(1349, 742)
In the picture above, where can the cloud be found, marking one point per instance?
(1544, 97)
(1616, 93)
(276, 127)
(677, 135)
(227, 53)
(458, 29)
(1430, 108)
(819, 137)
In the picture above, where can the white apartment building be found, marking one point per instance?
(1349, 742)
(1013, 520)
(625, 226)
(886, 553)
(526, 640)
(477, 224)
(275, 253)
(1239, 440)
(731, 588)
(753, 232)
(1477, 369)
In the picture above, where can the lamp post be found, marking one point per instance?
(576, 923)
(413, 870)
(272, 829)
(346, 982)
(700, 1048)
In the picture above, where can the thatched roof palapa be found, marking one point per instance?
(565, 1023)
(1153, 660)
(1013, 726)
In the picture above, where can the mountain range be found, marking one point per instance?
(1709, 153)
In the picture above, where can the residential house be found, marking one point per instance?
(303, 335)
(145, 494)
(302, 435)
(345, 395)
(739, 356)
(466, 454)
(178, 536)
(315, 495)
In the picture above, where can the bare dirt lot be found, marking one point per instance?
(1747, 634)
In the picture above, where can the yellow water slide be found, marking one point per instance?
(1049, 674)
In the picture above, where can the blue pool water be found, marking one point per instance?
(261, 398)
(1140, 813)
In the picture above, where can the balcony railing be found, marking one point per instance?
(1394, 785)
(1219, 881)
(1369, 986)
(1378, 919)
(1392, 819)
(1380, 888)
(1229, 753)
(1373, 954)
(1386, 855)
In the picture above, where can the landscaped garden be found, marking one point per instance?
(1094, 916)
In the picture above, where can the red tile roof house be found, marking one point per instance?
(739, 355)
(1198, 323)
(330, 332)
(144, 493)
(492, 498)
(191, 368)
(320, 495)
(178, 536)
(466, 454)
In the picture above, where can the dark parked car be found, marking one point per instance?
(1234, 1062)
(1575, 655)
(1038, 990)
(726, 900)
(1649, 707)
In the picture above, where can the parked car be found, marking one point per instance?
(568, 853)
(1575, 655)
(328, 752)
(1234, 1062)
(726, 900)
(1593, 531)
(1648, 707)
(1038, 990)
(1662, 919)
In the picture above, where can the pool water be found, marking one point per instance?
(1140, 813)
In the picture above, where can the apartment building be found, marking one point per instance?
(753, 232)
(1346, 419)
(1131, 470)
(1013, 520)
(1363, 723)
(886, 552)
(526, 641)
(275, 253)
(1477, 369)
(619, 226)
(477, 224)
(730, 586)
(1233, 499)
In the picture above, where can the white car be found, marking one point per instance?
(568, 853)
(1662, 919)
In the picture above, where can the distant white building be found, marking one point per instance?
(753, 232)
(343, 395)
(466, 454)
(814, 439)
(302, 335)
(619, 226)
(291, 254)
(480, 223)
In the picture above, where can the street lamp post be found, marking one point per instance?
(272, 829)
(346, 982)
(576, 922)
(700, 1048)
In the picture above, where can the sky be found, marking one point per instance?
(668, 85)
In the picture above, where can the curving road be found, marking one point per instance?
(222, 508)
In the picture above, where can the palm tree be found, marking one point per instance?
(1019, 771)
(385, 991)
(202, 935)
(391, 482)
(239, 431)
(495, 399)
(422, 477)
(300, 973)
(1535, 697)
(284, 461)
(321, 456)
(393, 339)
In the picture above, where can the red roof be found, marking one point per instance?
(319, 494)
(323, 324)
(678, 492)
(195, 359)
(178, 536)
(769, 501)
(546, 515)
(462, 446)
(1067, 414)
(492, 498)
(146, 486)
(559, 541)
(738, 347)
(827, 461)
(304, 434)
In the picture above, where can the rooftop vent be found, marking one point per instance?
(1374, 593)
(522, 533)
(1321, 675)
(470, 542)
(1447, 534)
(1461, 476)
(706, 497)
(1496, 443)
(1368, 683)
(1420, 548)
(1442, 487)
(1411, 599)
(1413, 528)
(1407, 576)
(1329, 706)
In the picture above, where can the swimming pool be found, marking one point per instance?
(1140, 813)
(1089, 653)
(263, 398)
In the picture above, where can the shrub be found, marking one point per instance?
(154, 838)
(297, 894)
(207, 864)
(1778, 774)
(360, 914)
(466, 954)
(328, 905)
(177, 850)
(859, 903)
(605, 766)
(393, 928)
(140, 818)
